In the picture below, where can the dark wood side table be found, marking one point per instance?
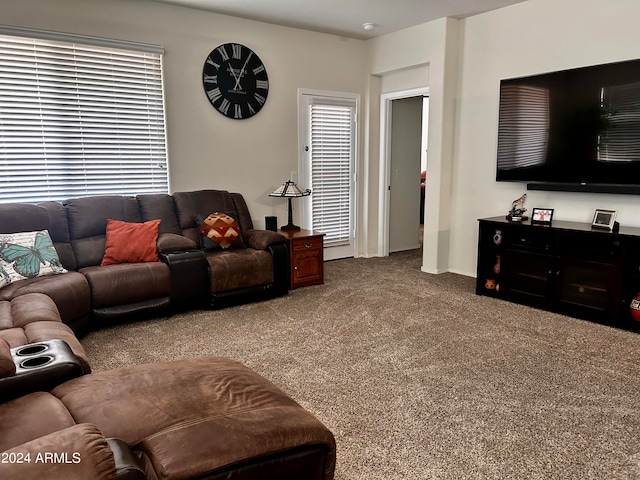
(306, 257)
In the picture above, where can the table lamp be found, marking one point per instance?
(290, 190)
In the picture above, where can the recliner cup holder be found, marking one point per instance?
(32, 349)
(35, 362)
(40, 366)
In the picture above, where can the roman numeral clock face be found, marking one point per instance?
(235, 81)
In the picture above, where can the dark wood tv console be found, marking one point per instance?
(567, 267)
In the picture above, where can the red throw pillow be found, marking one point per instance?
(222, 229)
(131, 242)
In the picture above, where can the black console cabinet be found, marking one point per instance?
(567, 267)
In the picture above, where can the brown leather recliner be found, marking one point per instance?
(200, 418)
(262, 268)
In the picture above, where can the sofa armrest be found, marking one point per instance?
(189, 278)
(171, 242)
(76, 453)
(39, 366)
(261, 239)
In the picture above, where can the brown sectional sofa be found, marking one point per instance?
(192, 419)
(90, 292)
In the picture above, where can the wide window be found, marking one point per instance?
(80, 116)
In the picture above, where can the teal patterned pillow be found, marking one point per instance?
(27, 255)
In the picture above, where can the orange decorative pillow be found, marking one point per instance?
(131, 242)
(222, 229)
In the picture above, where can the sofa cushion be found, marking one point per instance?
(201, 202)
(28, 255)
(128, 242)
(87, 218)
(160, 206)
(51, 216)
(28, 308)
(69, 291)
(127, 283)
(31, 416)
(239, 268)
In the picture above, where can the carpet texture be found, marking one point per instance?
(418, 378)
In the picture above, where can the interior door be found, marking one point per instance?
(406, 151)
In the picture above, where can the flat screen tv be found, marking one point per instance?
(575, 130)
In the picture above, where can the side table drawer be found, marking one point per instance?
(306, 257)
(306, 244)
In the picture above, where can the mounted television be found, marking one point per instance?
(573, 130)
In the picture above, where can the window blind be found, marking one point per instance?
(620, 139)
(332, 131)
(79, 119)
(524, 126)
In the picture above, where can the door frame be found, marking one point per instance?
(386, 100)
(305, 202)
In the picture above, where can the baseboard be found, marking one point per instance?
(433, 272)
(460, 272)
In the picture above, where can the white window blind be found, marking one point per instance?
(79, 119)
(332, 151)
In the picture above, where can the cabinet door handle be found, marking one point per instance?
(308, 244)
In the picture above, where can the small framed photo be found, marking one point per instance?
(541, 216)
(604, 219)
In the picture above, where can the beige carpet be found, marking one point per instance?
(419, 378)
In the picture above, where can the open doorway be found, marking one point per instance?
(404, 117)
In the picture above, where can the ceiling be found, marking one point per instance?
(346, 17)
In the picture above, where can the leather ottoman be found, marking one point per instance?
(203, 418)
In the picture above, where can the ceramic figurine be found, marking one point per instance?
(516, 214)
(497, 237)
(634, 307)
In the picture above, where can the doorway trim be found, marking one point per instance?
(385, 161)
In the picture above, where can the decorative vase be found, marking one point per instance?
(634, 307)
(496, 267)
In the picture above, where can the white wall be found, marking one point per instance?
(206, 149)
(435, 44)
(406, 79)
(528, 38)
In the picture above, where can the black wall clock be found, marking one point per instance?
(235, 81)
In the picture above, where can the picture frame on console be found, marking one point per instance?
(541, 216)
(604, 219)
